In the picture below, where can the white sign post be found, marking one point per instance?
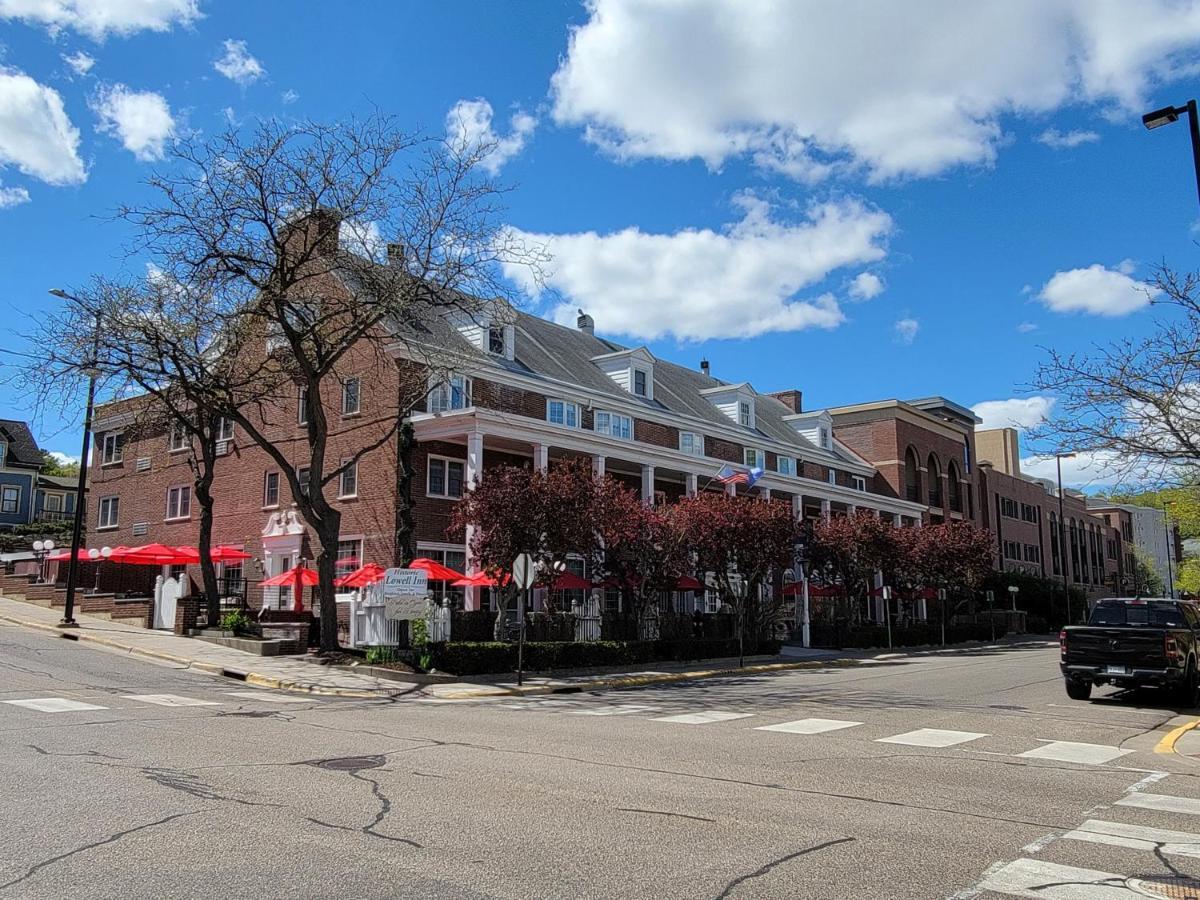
(404, 593)
(523, 573)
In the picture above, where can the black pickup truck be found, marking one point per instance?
(1133, 643)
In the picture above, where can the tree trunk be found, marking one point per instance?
(404, 549)
(202, 488)
(328, 533)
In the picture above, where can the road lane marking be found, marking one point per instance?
(621, 709)
(1072, 751)
(809, 726)
(1051, 881)
(170, 700)
(931, 737)
(1167, 744)
(1162, 802)
(1137, 837)
(53, 705)
(269, 698)
(704, 718)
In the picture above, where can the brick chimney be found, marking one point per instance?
(793, 400)
(315, 232)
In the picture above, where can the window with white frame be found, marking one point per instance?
(303, 475)
(53, 503)
(348, 481)
(10, 499)
(302, 405)
(691, 443)
(613, 424)
(744, 413)
(109, 512)
(224, 429)
(179, 502)
(445, 478)
(349, 556)
(351, 401)
(496, 342)
(639, 382)
(3, 452)
(831, 476)
(562, 412)
(823, 436)
(270, 490)
(860, 483)
(454, 392)
(112, 448)
(179, 437)
(754, 457)
(785, 465)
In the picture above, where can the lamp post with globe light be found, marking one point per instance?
(42, 549)
(98, 557)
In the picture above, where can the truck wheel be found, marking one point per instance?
(1186, 691)
(1079, 690)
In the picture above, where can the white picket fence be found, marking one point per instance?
(587, 618)
(370, 628)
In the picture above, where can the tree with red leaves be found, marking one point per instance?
(953, 557)
(849, 550)
(741, 542)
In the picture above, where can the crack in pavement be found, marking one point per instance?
(91, 754)
(385, 807)
(112, 838)
(193, 786)
(662, 812)
(766, 870)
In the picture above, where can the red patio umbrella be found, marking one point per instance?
(297, 577)
(228, 553)
(437, 572)
(569, 581)
(160, 555)
(479, 579)
(362, 576)
(65, 554)
(794, 588)
(688, 583)
(823, 590)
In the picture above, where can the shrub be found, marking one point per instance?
(380, 655)
(875, 636)
(237, 622)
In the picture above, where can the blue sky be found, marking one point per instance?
(859, 203)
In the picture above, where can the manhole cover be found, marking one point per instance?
(350, 763)
(1167, 887)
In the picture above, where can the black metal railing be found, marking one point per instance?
(53, 515)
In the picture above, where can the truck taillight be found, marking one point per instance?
(1062, 642)
(1170, 647)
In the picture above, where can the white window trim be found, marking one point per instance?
(222, 422)
(308, 469)
(10, 487)
(697, 443)
(3, 454)
(100, 511)
(760, 457)
(487, 336)
(446, 478)
(749, 408)
(634, 372)
(342, 481)
(831, 476)
(858, 480)
(301, 404)
(278, 488)
(178, 489)
(118, 449)
(791, 472)
(565, 403)
(608, 432)
(346, 414)
(177, 430)
(436, 384)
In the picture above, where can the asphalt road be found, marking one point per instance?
(592, 795)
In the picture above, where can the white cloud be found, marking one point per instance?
(808, 87)
(363, 238)
(10, 197)
(1019, 412)
(80, 62)
(698, 284)
(142, 120)
(1096, 290)
(906, 330)
(64, 458)
(1102, 468)
(469, 124)
(1059, 140)
(99, 18)
(865, 286)
(238, 65)
(35, 134)
(1026, 327)
(289, 97)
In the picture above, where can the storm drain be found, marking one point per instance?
(350, 763)
(1167, 887)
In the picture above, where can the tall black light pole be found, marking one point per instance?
(1062, 535)
(68, 619)
(1169, 114)
(1170, 548)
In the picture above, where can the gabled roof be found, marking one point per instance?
(59, 482)
(22, 448)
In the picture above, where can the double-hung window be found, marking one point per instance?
(302, 475)
(454, 392)
(302, 405)
(224, 429)
(445, 478)
(3, 452)
(270, 490)
(10, 499)
(639, 382)
(562, 412)
(859, 482)
(109, 512)
(348, 482)
(785, 465)
(179, 502)
(349, 556)
(179, 437)
(112, 448)
(691, 443)
(831, 476)
(744, 413)
(614, 425)
(496, 342)
(351, 401)
(754, 457)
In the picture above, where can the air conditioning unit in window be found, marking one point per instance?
(140, 528)
(222, 448)
(142, 464)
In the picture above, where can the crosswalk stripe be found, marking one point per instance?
(621, 709)
(1072, 751)
(1162, 802)
(1051, 881)
(1137, 837)
(809, 726)
(270, 698)
(54, 704)
(932, 737)
(170, 700)
(704, 718)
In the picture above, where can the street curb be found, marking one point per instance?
(1171, 738)
(254, 678)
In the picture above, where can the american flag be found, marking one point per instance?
(729, 475)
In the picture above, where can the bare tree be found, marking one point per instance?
(1135, 403)
(322, 252)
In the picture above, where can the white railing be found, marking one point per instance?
(587, 617)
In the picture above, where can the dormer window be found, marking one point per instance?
(823, 437)
(630, 370)
(3, 453)
(744, 413)
(639, 382)
(496, 341)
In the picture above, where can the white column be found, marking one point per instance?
(797, 506)
(692, 485)
(826, 510)
(541, 457)
(731, 489)
(598, 466)
(765, 493)
(474, 469)
(897, 519)
(648, 483)
(851, 509)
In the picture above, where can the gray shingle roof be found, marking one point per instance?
(22, 448)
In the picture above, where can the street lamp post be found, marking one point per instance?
(1062, 535)
(68, 619)
(98, 557)
(1169, 114)
(42, 549)
(1170, 548)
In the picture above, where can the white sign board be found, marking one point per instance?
(404, 594)
(523, 571)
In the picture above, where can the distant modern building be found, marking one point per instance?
(1148, 531)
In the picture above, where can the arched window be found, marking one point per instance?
(935, 482)
(912, 476)
(955, 488)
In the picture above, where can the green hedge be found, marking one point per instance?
(492, 657)
(869, 636)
